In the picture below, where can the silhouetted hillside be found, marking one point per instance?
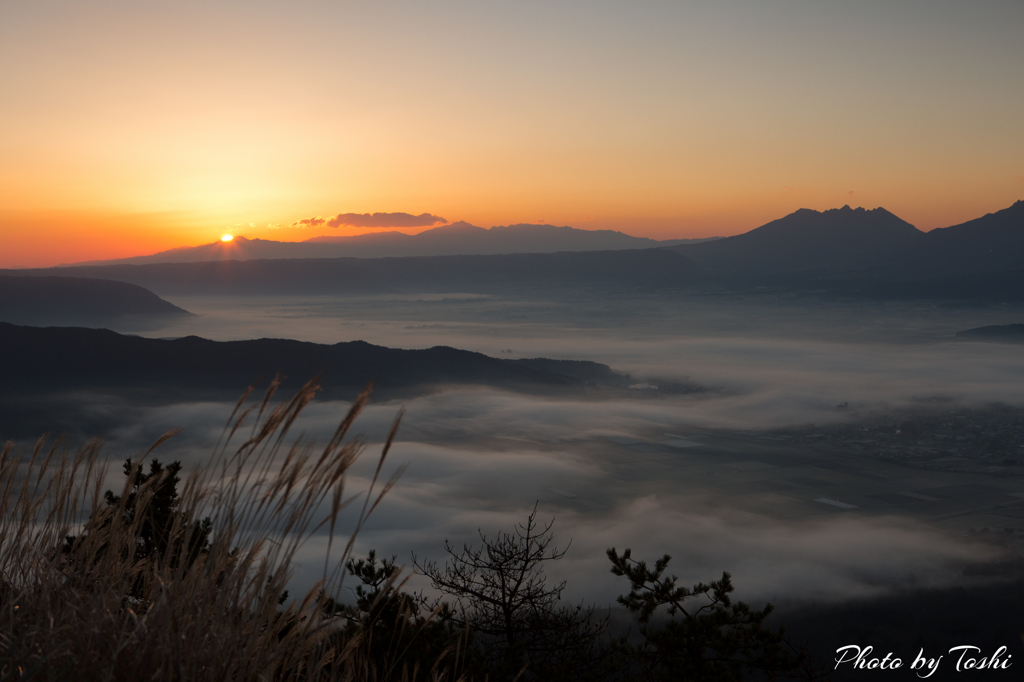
(842, 238)
(61, 357)
(449, 240)
(79, 301)
(634, 268)
(992, 243)
(585, 371)
(1003, 333)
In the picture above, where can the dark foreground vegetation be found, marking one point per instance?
(177, 579)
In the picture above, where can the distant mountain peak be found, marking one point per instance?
(855, 220)
(808, 240)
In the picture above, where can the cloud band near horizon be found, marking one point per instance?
(373, 220)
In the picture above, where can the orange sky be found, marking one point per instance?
(129, 128)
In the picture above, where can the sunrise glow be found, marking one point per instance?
(226, 238)
(663, 120)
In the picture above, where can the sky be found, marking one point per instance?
(130, 128)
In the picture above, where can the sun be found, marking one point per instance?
(226, 238)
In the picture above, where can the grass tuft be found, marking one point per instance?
(77, 601)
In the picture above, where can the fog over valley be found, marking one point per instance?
(690, 468)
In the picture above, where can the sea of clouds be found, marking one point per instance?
(479, 459)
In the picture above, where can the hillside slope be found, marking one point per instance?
(65, 358)
(51, 300)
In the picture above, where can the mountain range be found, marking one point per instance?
(871, 253)
(659, 268)
(844, 251)
(859, 240)
(459, 238)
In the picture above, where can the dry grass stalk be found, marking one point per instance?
(89, 609)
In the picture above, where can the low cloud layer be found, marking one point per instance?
(315, 221)
(480, 459)
(373, 220)
(766, 366)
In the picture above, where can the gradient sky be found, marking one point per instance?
(132, 127)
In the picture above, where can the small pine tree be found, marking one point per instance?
(395, 638)
(707, 636)
(149, 505)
